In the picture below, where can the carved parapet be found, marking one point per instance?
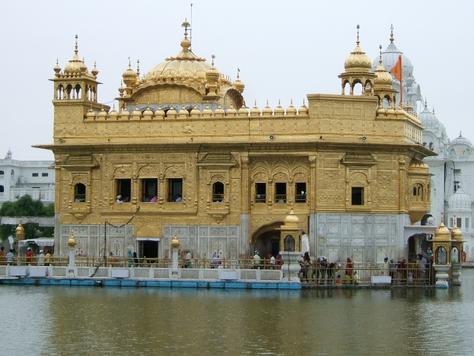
(148, 114)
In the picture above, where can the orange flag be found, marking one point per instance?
(397, 69)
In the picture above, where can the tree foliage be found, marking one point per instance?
(26, 206)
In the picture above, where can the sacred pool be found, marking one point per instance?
(42, 320)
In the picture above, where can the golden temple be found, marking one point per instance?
(183, 156)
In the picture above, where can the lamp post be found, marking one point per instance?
(20, 236)
(71, 242)
(174, 256)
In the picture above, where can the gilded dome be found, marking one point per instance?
(456, 233)
(383, 77)
(291, 218)
(358, 61)
(184, 66)
(75, 64)
(415, 164)
(442, 233)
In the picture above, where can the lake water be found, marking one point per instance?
(113, 321)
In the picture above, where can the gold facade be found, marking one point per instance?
(185, 123)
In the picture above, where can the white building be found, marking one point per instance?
(19, 178)
(452, 169)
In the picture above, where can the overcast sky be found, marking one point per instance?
(284, 49)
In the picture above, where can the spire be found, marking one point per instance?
(138, 67)
(129, 63)
(391, 34)
(380, 54)
(76, 47)
(186, 25)
(238, 73)
(358, 27)
(212, 60)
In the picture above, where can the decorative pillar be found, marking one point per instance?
(174, 257)
(20, 236)
(71, 267)
(457, 246)
(290, 247)
(441, 251)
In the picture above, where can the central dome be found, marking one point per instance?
(185, 80)
(184, 66)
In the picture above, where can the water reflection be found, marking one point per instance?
(61, 321)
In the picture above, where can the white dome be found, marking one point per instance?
(390, 58)
(461, 141)
(459, 201)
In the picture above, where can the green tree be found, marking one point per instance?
(26, 206)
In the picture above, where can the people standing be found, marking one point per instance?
(272, 262)
(10, 256)
(349, 270)
(2, 255)
(386, 267)
(256, 260)
(47, 258)
(40, 260)
(29, 255)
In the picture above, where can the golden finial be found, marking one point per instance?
(279, 102)
(76, 50)
(186, 25)
(380, 54)
(238, 73)
(138, 67)
(212, 59)
(129, 63)
(391, 33)
(291, 101)
(255, 103)
(267, 102)
(358, 27)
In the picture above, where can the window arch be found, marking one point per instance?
(289, 243)
(2, 189)
(79, 193)
(217, 192)
(357, 88)
(2, 173)
(417, 191)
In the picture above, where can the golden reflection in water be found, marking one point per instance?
(90, 320)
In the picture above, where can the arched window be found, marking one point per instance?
(289, 243)
(79, 193)
(2, 189)
(77, 92)
(418, 191)
(2, 173)
(217, 192)
(68, 93)
(441, 256)
(357, 89)
(346, 89)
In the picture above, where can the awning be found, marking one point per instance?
(39, 242)
(148, 239)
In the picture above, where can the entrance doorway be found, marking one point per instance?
(417, 244)
(268, 243)
(148, 248)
